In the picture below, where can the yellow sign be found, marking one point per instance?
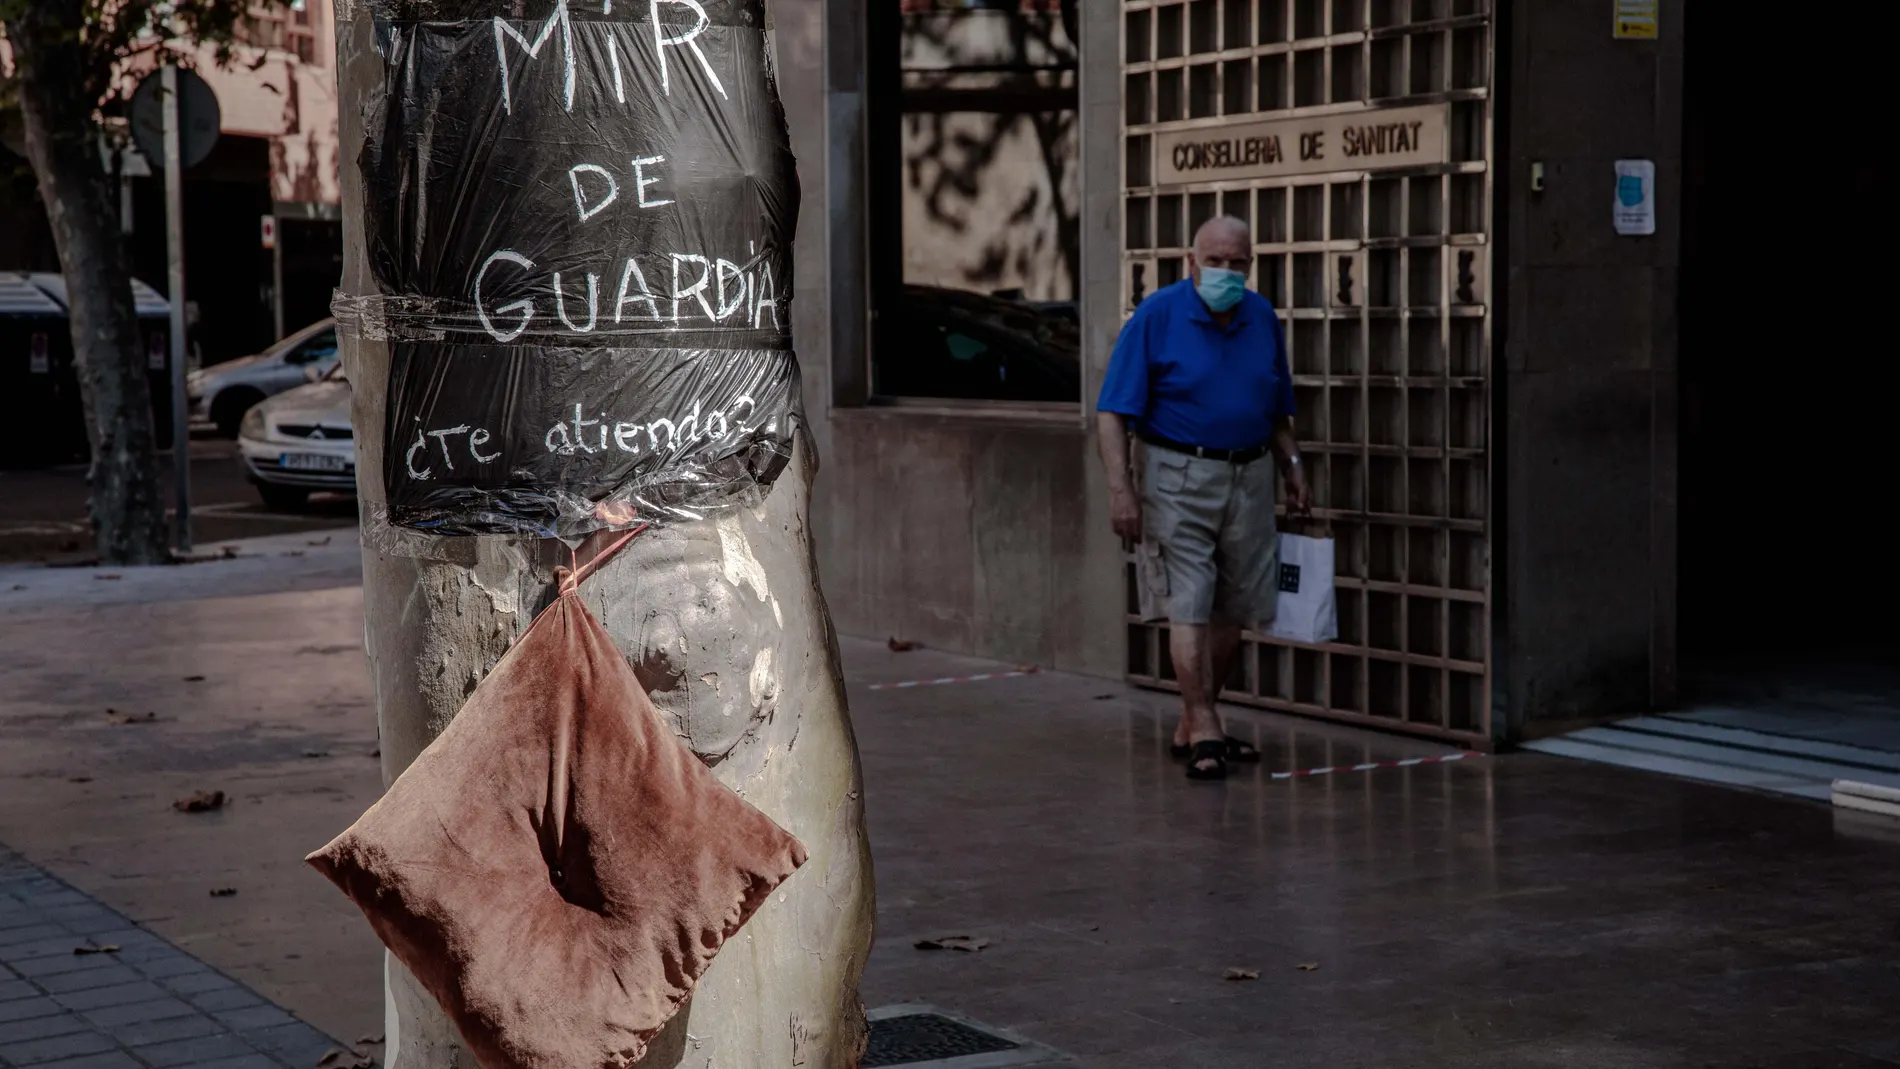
(1636, 19)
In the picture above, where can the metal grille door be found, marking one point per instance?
(1355, 137)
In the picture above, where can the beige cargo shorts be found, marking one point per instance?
(1209, 549)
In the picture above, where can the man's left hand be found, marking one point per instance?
(1297, 498)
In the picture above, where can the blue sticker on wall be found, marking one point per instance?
(1629, 190)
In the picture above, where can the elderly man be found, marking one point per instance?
(1201, 373)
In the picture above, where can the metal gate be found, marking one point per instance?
(1355, 137)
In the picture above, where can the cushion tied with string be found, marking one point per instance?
(557, 868)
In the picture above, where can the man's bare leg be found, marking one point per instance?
(1203, 660)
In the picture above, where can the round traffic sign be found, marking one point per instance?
(198, 118)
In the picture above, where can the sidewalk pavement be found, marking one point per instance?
(82, 987)
(1521, 910)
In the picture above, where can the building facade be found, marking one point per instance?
(248, 281)
(1479, 306)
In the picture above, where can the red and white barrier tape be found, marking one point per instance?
(1370, 765)
(1327, 771)
(978, 678)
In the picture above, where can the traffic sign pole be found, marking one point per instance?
(175, 277)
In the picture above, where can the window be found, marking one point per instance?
(287, 29)
(969, 346)
(317, 348)
(974, 201)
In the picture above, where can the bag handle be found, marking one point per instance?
(569, 576)
(1309, 525)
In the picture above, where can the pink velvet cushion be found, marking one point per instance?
(557, 868)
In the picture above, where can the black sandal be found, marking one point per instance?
(1238, 751)
(1214, 750)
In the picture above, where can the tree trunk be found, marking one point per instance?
(62, 144)
(724, 623)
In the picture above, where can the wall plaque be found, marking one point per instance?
(1351, 141)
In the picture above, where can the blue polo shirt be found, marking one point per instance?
(1179, 375)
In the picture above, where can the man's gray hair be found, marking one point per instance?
(1224, 226)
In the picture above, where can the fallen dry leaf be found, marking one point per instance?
(108, 575)
(97, 948)
(194, 679)
(201, 802)
(223, 892)
(1028, 669)
(369, 1040)
(291, 553)
(376, 752)
(901, 645)
(1237, 973)
(1103, 697)
(316, 753)
(967, 944)
(78, 779)
(1307, 966)
(227, 552)
(330, 1057)
(324, 541)
(19, 586)
(132, 718)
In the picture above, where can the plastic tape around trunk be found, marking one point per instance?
(579, 219)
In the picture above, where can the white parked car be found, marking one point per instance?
(223, 393)
(299, 442)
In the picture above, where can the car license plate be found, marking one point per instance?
(311, 462)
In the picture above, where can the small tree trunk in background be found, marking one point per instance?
(724, 623)
(62, 144)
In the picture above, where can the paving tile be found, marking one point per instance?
(113, 1059)
(251, 1018)
(298, 1043)
(40, 1051)
(22, 1008)
(59, 1024)
(166, 1030)
(113, 1017)
(198, 982)
(11, 989)
(170, 963)
(59, 895)
(127, 937)
(113, 995)
(194, 1051)
(89, 979)
(54, 944)
(55, 964)
(82, 916)
(28, 933)
(228, 997)
(247, 1061)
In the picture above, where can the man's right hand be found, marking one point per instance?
(1124, 514)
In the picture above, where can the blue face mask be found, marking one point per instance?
(1221, 288)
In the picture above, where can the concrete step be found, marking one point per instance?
(1732, 756)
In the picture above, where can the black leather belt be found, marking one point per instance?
(1231, 456)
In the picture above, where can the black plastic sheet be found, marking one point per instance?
(579, 219)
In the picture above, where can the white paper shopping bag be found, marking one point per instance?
(1305, 611)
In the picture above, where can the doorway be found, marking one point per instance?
(1786, 582)
(1380, 268)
